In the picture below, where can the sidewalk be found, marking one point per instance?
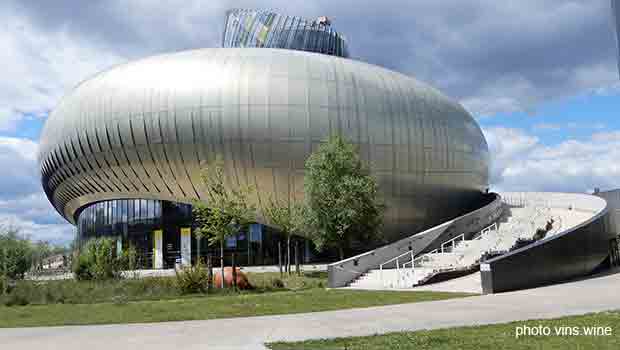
(579, 297)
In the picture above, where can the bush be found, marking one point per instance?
(192, 279)
(15, 299)
(97, 260)
(81, 268)
(21, 294)
(277, 283)
(15, 253)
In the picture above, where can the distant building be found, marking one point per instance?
(54, 262)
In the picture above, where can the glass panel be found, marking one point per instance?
(143, 209)
(151, 206)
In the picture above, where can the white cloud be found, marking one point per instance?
(547, 126)
(520, 162)
(22, 201)
(53, 233)
(39, 67)
(19, 167)
(495, 57)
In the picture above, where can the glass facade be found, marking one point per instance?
(251, 28)
(134, 221)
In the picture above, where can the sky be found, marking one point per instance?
(540, 77)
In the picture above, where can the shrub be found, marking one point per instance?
(21, 294)
(81, 267)
(15, 299)
(192, 279)
(277, 283)
(97, 260)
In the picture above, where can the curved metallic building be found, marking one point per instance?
(251, 28)
(142, 130)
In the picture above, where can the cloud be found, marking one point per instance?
(493, 56)
(38, 67)
(22, 202)
(569, 125)
(520, 162)
(60, 234)
(547, 126)
(19, 167)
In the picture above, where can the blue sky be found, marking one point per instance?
(540, 76)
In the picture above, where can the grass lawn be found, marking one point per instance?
(156, 301)
(501, 336)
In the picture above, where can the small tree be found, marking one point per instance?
(97, 260)
(226, 211)
(341, 197)
(286, 216)
(16, 255)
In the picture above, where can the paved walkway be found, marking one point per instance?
(592, 295)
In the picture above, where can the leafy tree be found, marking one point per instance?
(341, 197)
(226, 211)
(287, 217)
(97, 260)
(15, 255)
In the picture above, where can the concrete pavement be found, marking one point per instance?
(579, 297)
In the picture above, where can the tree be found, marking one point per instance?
(15, 255)
(287, 217)
(341, 197)
(98, 260)
(227, 210)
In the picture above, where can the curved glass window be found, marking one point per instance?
(251, 28)
(117, 218)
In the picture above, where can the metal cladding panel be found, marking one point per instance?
(145, 127)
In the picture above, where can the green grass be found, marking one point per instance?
(156, 300)
(501, 336)
(150, 288)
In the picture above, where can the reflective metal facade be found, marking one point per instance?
(142, 130)
(251, 28)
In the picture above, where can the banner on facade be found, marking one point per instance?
(158, 254)
(186, 246)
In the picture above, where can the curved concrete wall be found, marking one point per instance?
(612, 221)
(573, 252)
(343, 272)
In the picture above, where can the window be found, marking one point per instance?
(231, 242)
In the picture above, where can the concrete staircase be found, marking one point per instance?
(391, 278)
(518, 222)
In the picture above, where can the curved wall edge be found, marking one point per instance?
(574, 252)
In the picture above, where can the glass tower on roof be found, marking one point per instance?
(252, 28)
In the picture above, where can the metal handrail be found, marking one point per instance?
(461, 236)
(397, 259)
(413, 261)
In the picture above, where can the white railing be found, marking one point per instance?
(453, 242)
(406, 272)
(397, 260)
(485, 231)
